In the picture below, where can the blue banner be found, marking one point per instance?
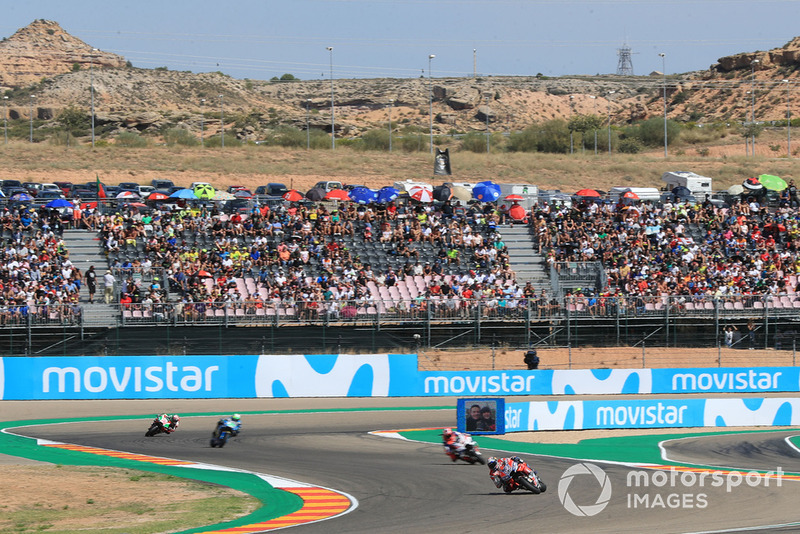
(652, 413)
(350, 375)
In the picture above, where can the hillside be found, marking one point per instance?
(44, 60)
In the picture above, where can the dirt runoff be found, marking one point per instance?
(94, 498)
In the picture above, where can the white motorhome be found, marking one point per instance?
(645, 194)
(700, 186)
(528, 192)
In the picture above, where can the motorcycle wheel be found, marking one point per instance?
(526, 483)
(479, 459)
(542, 486)
(152, 431)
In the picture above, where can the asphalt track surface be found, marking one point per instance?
(411, 487)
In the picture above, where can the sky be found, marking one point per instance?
(394, 38)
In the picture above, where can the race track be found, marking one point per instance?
(412, 487)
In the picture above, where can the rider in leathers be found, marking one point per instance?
(454, 443)
(501, 469)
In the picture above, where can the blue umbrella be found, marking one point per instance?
(486, 191)
(58, 203)
(387, 194)
(184, 193)
(21, 197)
(363, 195)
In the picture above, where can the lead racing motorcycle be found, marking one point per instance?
(513, 474)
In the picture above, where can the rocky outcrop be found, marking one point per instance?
(789, 54)
(43, 49)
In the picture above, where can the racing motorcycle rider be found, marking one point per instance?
(233, 422)
(454, 443)
(168, 422)
(501, 469)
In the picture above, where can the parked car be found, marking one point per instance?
(66, 187)
(48, 195)
(128, 186)
(145, 190)
(32, 188)
(6, 185)
(274, 189)
(162, 185)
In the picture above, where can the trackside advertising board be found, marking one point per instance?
(346, 375)
(651, 413)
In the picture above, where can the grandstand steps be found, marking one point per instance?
(528, 264)
(85, 250)
(99, 314)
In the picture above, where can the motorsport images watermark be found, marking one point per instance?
(652, 488)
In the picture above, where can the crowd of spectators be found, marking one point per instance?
(738, 253)
(309, 259)
(38, 282)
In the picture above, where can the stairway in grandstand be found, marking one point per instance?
(525, 261)
(84, 251)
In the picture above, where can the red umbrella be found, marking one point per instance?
(517, 212)
(156, 195)
(631, 195)
(88, 205)
(587, 193)
(337, 194)
(514, 198)
(293, 195)
(204, 274)
(422, 193)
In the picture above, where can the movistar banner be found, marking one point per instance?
(350, 375)
(651, 413)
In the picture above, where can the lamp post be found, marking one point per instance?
(571, 111)
(664, 78)
(430, 96)
(788, 122)
(222, 120)
(488, 96)
(608, 103)
(391, 104)
(753, 105)
(333, 123)
(5, 120)
(308, 124)
(593, 97)
(31, 114)
(202, 123)
(91, 85)
(474, 62)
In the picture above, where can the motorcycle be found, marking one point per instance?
(157, 427)
(471, 454)
(526, 478)
(225, 429)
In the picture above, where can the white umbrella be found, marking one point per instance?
(736, 189)
(127, 194)
(461, 193)
(421, 193)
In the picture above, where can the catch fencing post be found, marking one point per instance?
(719, 354)
(643, 353)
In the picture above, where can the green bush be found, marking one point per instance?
(180, 136)
(651, 131)
(551, 136)
(216, 140)
(75, 121)
(131, 140)
(630, 145)
(376, 139)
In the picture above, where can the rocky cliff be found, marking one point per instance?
(44, 60)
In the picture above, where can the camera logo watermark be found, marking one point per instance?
(590, 509)
(673, 488)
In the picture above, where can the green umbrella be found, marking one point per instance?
(204, 191)
(774, 183)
